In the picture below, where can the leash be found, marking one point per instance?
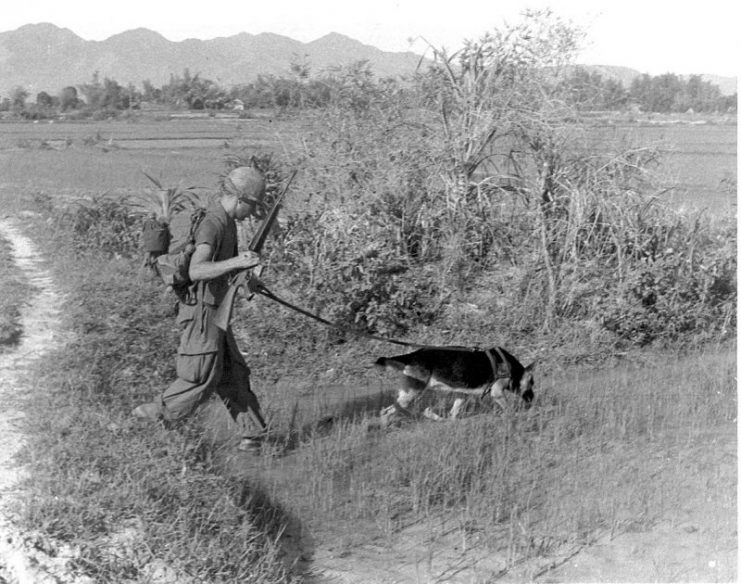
(264, 291)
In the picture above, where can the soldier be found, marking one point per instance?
(208, 359)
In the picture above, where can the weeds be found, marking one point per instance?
(101, 223)
(392, 235)
(13, 292)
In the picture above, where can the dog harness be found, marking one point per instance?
(495, 369)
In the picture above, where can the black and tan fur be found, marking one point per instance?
(461, 371)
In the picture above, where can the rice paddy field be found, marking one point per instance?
(699, 158)
(84, 158)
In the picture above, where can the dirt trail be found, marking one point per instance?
(20, 560)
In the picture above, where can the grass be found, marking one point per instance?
(193, 157)
(102, 475)
(582, 461)
(602, 451)
(698, 161)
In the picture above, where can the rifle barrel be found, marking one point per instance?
(258, 240)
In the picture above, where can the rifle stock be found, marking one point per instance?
(240, 279)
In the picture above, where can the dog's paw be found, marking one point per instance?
(430, 415)
(389, 415)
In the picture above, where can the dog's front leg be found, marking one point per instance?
(405, 397)
(431, 415)
(497, 392)
(400, 407)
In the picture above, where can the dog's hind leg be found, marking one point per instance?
(453, 414)
(456, 409)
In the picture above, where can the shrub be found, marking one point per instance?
(14, 290)
(685, 290)
(102, 223)
(399, 224)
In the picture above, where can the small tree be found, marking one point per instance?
(93, 92)
(166, 202)
(486, 91)
(18, 98)
(68, 99)
(43, 99)
(114, 97)
(150, 93)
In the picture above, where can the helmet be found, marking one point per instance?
(247, 183)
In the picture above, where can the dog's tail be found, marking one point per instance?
(390, 363)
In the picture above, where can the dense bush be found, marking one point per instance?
(685, 291)
(471, 185)
(102, 223)
(14, 290)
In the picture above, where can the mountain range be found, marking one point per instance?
(44, 57)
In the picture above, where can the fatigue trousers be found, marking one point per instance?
(209, 362)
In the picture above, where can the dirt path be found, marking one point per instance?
(20, 560)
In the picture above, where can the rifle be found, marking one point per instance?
(242, 277)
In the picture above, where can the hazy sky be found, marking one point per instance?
(651, 36)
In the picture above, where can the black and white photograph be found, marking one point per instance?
(392, 292)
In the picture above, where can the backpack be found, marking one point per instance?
(173, 266)
(155, 236)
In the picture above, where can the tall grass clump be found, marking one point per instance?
(100, 223)
(14, 290)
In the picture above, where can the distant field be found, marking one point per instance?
(196, 132)
(699, 161)
(82, 158)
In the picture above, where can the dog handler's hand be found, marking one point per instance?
(247, 259)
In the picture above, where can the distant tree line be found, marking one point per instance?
(584, 89)
(667, 93)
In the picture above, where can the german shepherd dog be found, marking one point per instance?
(457, 370)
